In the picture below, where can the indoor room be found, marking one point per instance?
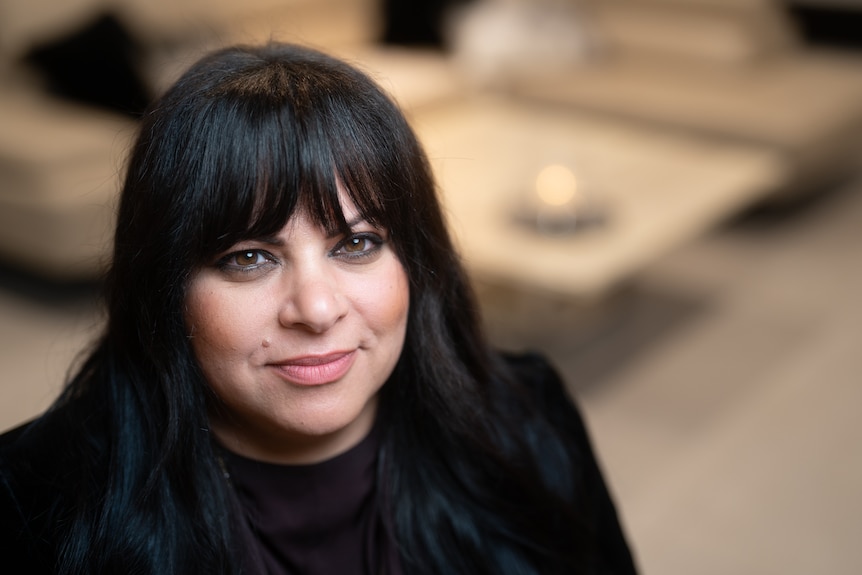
(663, 197)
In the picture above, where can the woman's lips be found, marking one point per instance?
(316, 369)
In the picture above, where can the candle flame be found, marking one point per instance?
(556, 185)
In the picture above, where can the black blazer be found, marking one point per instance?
(613, 555)
(38, 495)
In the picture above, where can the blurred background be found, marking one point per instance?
(663, 196)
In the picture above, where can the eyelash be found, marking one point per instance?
(375, 241)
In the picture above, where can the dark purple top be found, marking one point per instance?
(320, 519)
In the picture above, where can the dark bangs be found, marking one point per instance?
(276, 136)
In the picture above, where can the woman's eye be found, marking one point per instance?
(359, 245)
(244, 260)
(356, 245)
(249, 258)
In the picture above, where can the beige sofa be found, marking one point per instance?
(730, 69)
(59, 172)
(59, 161)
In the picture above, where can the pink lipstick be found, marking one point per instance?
(316, 369)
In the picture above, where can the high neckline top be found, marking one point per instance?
(318, 519)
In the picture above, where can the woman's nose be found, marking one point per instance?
(313, 300)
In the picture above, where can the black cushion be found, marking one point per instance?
(96, 65)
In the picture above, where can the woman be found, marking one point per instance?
(292, 378)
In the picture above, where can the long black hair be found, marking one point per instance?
(242, 139)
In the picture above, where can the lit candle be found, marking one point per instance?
(557, 188)
(558, 203)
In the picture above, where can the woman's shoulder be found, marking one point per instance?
(46, 452)
(37, 441)
(27, 497)
(39, 490)
(536, 377)
(527, 361)
(553, 403)
(36, 455)
(532, 369)
(24, 450)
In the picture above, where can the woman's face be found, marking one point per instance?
(296, 334)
